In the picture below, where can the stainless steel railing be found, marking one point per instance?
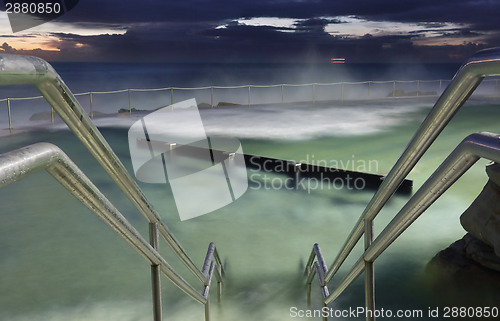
(369, 87)
(484, 63)
(338, 91)
(16, 70)
(18, 164)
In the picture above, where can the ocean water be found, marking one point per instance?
(59, 262)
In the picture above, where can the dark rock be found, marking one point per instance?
(467, 252)
(204, 105)
(455, 277)
(225, 104)
(468, 272)
(481, 253)
(396, 93)
(45, 115)
(482, 218)
(402, 93)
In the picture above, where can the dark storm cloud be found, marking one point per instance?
(235, 42)
(315, 24)
(478, 12)
(187, 30)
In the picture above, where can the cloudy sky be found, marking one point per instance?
(262, 31)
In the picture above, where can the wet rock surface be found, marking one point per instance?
(465, 274)
(482, 218)
(469, 253)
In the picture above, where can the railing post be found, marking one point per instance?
(212, 96)
(342, 92)
(207, 310)
(8, 111)
(171, 96)
(394, 88)
(91, 107)
(369, 88)
(154, 240)
(282, 95)
(52, 115)
(219, 286)
(369, 275)
(249, 96)
(440, 86)
(129, 102)
(309, 289)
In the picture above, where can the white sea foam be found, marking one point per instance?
(292, 122)
(305, 122)
(247, 226)
(245, 233)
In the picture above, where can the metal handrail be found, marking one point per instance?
(469, 76)
(239, 87)
(314, 99)
(20, 163)
(485, 63)
(467, 153)
(15, 70)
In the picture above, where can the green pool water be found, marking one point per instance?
(59, 262)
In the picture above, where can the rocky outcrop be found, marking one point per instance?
(402, 93)
(482, 218)
(467, 273)
(469, 253)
